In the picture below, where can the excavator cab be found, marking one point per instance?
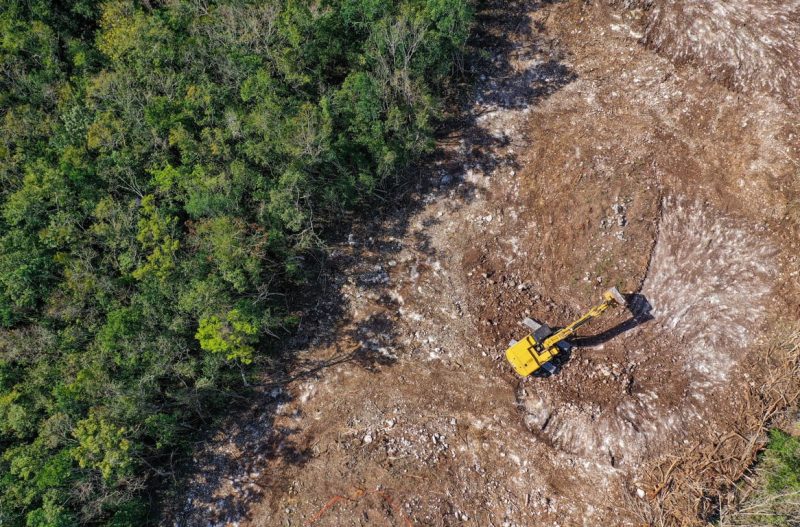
(536, 350)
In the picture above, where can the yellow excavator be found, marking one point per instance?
(538, 349)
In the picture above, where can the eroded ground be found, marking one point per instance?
(586, 161)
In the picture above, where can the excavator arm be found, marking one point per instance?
(611, 297)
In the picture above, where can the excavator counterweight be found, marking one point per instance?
(538, 348)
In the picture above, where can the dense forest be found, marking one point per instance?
(165, 166)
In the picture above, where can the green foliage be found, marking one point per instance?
(163, 169)
(52, 513)
(157, 237)
(781, 462)
(235, 250)
(234, 336)
(775, 501)
(25, 276)
(14, 419)
(102, 446)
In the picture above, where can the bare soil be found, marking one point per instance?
(587, 160)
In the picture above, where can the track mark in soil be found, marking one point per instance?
(660, 218)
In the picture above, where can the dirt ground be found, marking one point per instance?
(587, 161)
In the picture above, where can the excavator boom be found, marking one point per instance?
(611, 297)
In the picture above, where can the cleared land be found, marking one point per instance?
(586, 160)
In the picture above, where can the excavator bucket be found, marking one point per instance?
(616, 296)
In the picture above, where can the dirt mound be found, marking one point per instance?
(710, 283)
(705, 294)
(751, 45)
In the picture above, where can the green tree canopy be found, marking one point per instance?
(163, 166)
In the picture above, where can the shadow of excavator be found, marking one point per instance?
(641, 313)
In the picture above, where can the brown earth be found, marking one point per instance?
(587, 161)
(749, 45)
